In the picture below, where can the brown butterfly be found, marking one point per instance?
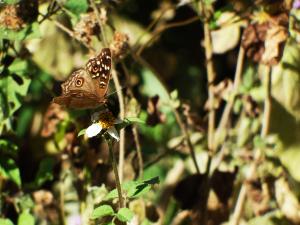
(87, 87)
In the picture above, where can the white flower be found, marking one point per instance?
(105, 121)
(93, 130)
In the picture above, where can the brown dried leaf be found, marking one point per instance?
(259, 197)
(250, 106)
(192, 119)
(10, 19)
(253, 40)
(154, 115)
(54, 114)
(120, 45)
(221, 92)
(86, 27)
(274, 44)
(264, 42)
(43, 197)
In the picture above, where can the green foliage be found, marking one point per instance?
(125, 215)
(26, 218)
(11, 1)
(102, 211)
(77, 6)
(45, 171)
(29, 32)
(8, 147)
(12, 87)
(9, 170)
(134, 189)
(6, 221)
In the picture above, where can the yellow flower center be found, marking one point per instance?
(106, 120)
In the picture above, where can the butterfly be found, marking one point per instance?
(87, 87)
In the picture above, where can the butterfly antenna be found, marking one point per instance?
(114, 92)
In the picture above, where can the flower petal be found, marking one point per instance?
(93, 130)
(114, 133)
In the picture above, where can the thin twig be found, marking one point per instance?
(164, 28)
(72, 35)
(150, 26)
(122, 116)
(227, 111)
(115, 169)
(99, 22)
(239, 207)
(138, 150)
(134, 127)
(211, 75)
(181, 124)
(62, 200)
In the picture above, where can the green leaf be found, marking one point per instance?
(30, 32)
(26, 218)
(135, 120)
(45, 171)
(11, 2)
(8, 147)
(152, 181)
(77, 6)
(174, 94)
(134, 189)
(110, 223)
(12, 87)
(290, 158)
(25, 202)
(125, 215)
(112, 194)
(150, 81)
(9, 170)
(6, 222)
(102, 211)
(80, 133)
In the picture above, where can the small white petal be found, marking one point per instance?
(114, 133)
(93, 130)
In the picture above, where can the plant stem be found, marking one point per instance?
(119, 94)
(122, 116)
(227, 111)
(258, 154)
(103, 37)
(62, 199)
(164, 28)
(72, 35)
(115, 169)
(138, 150)
(134, 127)
(211, 75)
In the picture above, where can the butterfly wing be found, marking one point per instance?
(79, 91)
(99, 69)
(79, 99)
(87, 88)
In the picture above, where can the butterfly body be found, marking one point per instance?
(87, 87)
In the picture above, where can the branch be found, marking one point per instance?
(227, 111)
(115, 169)
(239, 207)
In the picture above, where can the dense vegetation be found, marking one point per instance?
(199, 125)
